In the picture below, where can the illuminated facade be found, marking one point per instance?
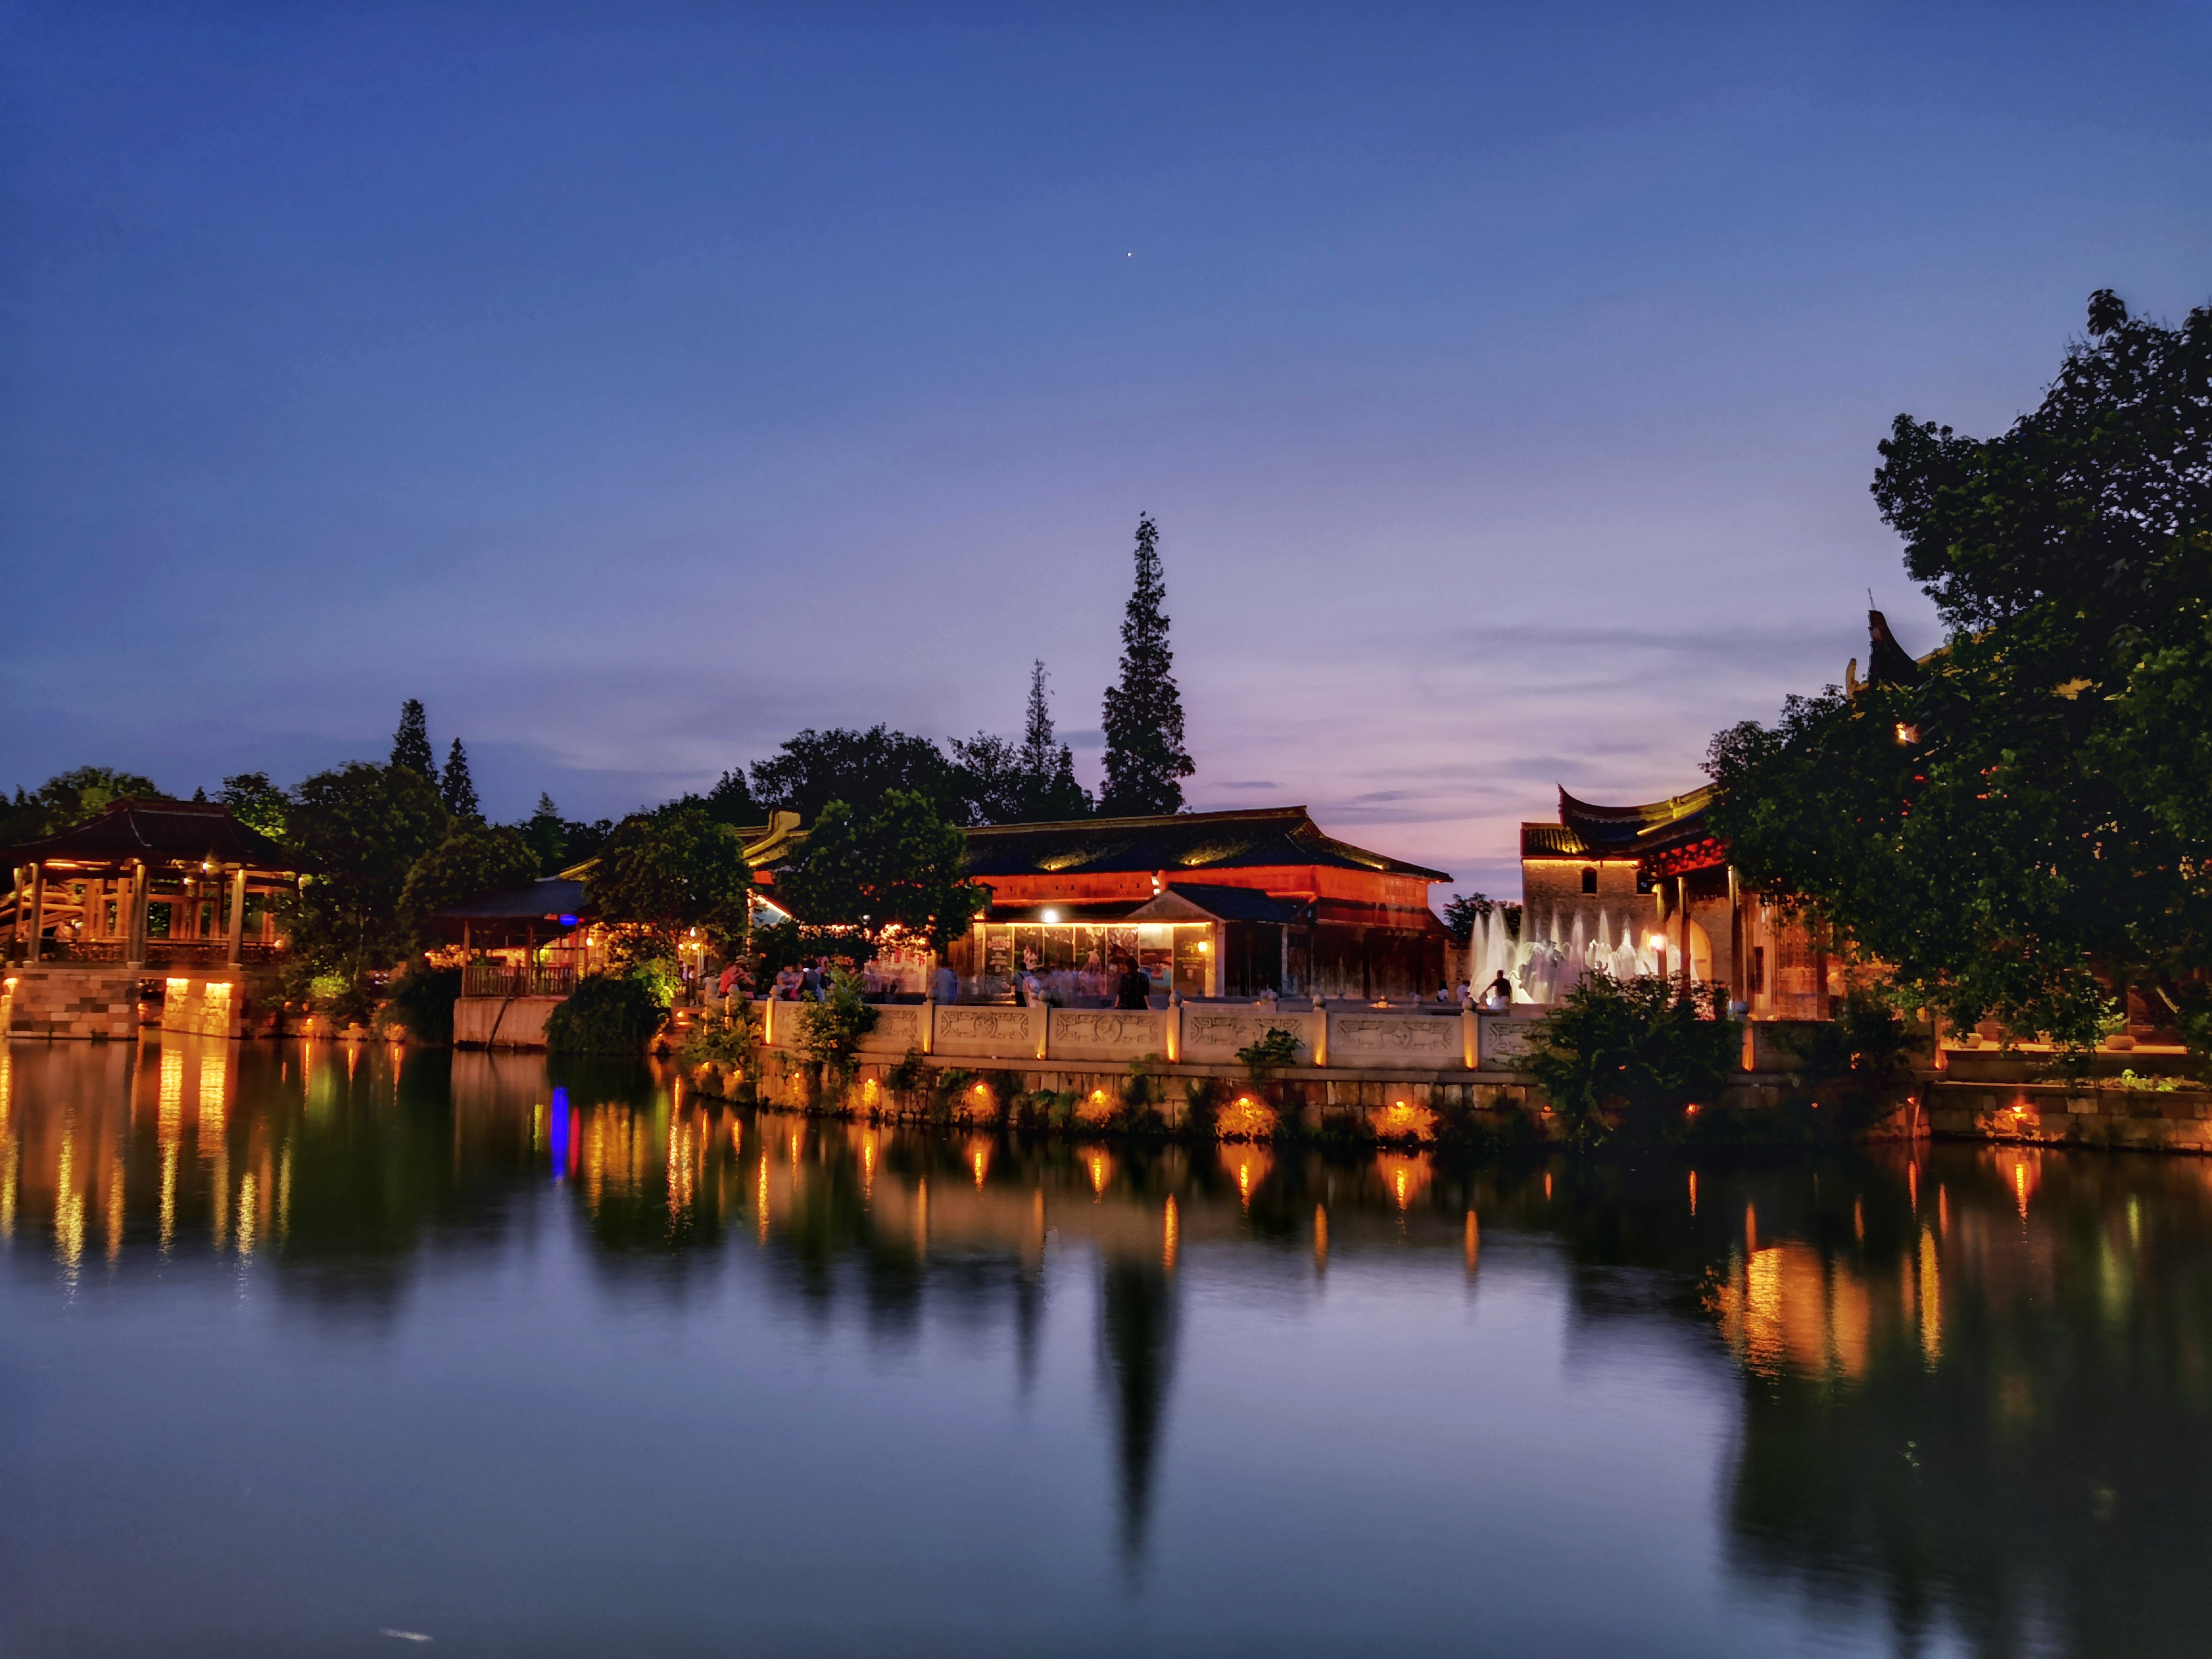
(1208, 904)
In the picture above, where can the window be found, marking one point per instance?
(1758, 969)
(1589, 881)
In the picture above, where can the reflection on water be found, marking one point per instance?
(1950, 1400)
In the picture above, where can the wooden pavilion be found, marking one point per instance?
(149, 883)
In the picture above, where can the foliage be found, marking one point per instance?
(422, 1000)
(899, 865)
(829, 1031)
(1640, 1051)
(1201, 1106)
(992, 787)
(659, 877)
(256, 803)
(1033, 782)
(358, 830)
(858, 767)
(2128, 1079)
(68, 799)
(410, 744)
(1262, 1058)
(907, 1079)
(730, 800)
(457, 789)
(543, 830)
(1462, 911)
(2016, 824)
(1145, 756)
(472, 859)
(605, 1014)
(725, 1036)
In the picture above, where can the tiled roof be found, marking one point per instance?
(162, 832)
(1272, 837)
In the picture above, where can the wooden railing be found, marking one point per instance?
(497, 979)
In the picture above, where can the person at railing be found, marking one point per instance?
(1498, 999)
(1134, 988)
(944, 984)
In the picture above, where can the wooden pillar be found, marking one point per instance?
(38, 908)
(1736, 991)
(16, 914)
(237, 915)
(135, 930)
(1682, 904)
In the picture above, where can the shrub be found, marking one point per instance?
(727, 1036)
(606, 1014)
(1625, 1059)
(1263, 1058)
(829, 1031)
(422, 1001)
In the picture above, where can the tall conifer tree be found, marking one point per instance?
(410, 744)
(457, 789)
(1049, 790)
(1145, 760)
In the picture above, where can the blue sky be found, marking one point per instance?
(639, 384)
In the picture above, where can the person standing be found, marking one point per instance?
(944, 984)
(1134, 988)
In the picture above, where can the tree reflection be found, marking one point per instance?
(1974, 1384)
(1137, 1320)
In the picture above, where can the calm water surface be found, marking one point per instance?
(302, 1349)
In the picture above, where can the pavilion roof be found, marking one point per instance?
(1586, 829)
(161, 832)
(1269, 837)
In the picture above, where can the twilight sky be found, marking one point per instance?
(637, 384)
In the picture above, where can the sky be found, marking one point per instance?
(639, 384)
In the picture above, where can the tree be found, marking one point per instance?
(546, 833)
(410, 744)
(474, 857)
(68, 798)
(901, 865)
(992, 787)
(1462, 911)
(358, 830)
(1146, 759)
(661, 875)
(2017, 825)
(255, 802)
(1625, 1059)
(730, 800)
(457, 789)
(1048, 767)
(1002, 782)
(858, 767)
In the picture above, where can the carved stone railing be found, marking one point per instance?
(1207, 1033)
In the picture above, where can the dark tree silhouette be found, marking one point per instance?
(1146, 759)
(457, 789)
(410, 744)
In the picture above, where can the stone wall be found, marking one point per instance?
(2091, 1112)
(71, 999)
(502, 1022)
(222, 1002)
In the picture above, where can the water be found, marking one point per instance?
(306, 1352)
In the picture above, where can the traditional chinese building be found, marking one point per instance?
(180, 891)
(1209, 903)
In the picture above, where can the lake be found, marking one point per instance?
(313, 1349)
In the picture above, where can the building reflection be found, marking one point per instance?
(1974, 1386)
